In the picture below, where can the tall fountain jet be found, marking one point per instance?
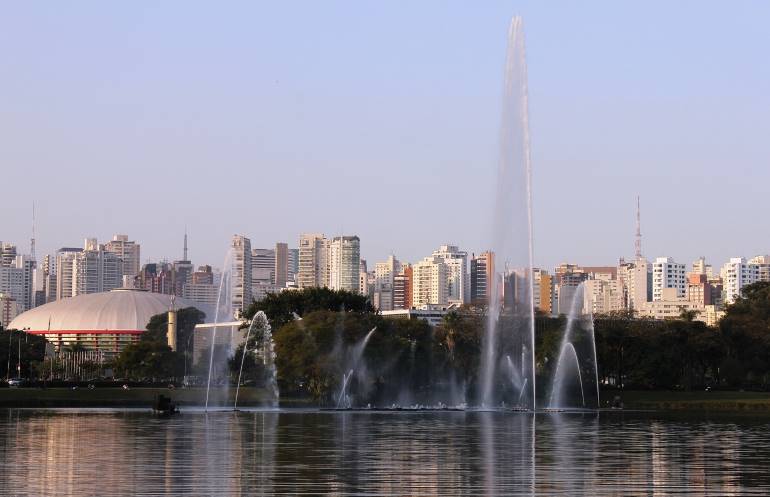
(510, 328)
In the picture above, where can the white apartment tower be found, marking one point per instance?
(128, 251)
(384, 274)
(666, 273)
(313, 270)
(87, 270)
(429, 282)
(344, 261)
(240, 273)
(763, 264)
(458, 287)
(634, 283)
(736, 274)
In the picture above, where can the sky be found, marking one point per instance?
(381, 119)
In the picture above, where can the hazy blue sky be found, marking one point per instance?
(380, 119)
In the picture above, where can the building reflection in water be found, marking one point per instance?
(447, 453)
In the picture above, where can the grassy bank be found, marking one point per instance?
(695, 401)
(118, 397)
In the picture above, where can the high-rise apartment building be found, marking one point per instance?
(17, 277)
(429, 282)
(7, 254)
(699, 266)
(482, 277)
(763, 265)
(736, 274)
(12, 285)
(8, 309)
(240, 273)
(403, 288)
(344, 261)
(456, 260)
(313, 270)
(542, 287)
(567, 278)
(128, 251)
(363, 280)
(666, 273)
(634, 283)
(384, 274)
(202, 287)
(702, 290)
(87, 270)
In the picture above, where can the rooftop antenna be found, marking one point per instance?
(638, 242)
(184, 258)
(32, 240)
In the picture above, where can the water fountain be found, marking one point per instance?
(578, 342)
(223, 310)
(510, 326)
(353, 359)
(267, 352)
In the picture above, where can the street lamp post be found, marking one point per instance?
(8, 367)
(18, 364)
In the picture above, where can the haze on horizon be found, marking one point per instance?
(381, 120)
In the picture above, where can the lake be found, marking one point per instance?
(305, 452)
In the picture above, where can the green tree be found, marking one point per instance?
(282, 307)
(746, 329)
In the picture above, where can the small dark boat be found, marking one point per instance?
(163, 406)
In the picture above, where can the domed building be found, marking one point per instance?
(106, 321)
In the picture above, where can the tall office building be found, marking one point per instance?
(429, 282)
(281, 271)
(666, 273)
(313, 270)
(482, 277)
(129, 252)
(263, 263)
(264, 267)
(240, 274)
(293, 266)
(456, 260)
(344, 261)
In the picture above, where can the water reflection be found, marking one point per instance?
(468, 453)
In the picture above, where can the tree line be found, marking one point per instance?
(632, 353)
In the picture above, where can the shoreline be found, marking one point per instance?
(144, 397)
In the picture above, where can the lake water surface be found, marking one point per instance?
(93, 452)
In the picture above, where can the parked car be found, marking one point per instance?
(17, 382)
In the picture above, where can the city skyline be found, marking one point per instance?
(385, 118)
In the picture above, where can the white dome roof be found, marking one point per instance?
(121, 309)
